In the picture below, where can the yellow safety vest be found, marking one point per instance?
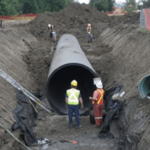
(73, 96)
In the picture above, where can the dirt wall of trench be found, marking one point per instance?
(130, 51)
(12, 49)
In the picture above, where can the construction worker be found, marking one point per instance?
(51, 29)
(89, 35)
(73, 97)
(98, 104)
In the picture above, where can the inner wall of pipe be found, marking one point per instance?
(60, 80)
(144, 87)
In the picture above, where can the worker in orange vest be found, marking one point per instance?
(89, 35)
(98, 104)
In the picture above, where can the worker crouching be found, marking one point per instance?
(73, 97)
(98, 104)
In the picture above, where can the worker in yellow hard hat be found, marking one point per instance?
(73, 98)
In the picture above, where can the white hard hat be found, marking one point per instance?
(49, 25)
(89, 25)
(99, 85)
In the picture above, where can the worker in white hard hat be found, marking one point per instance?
(89, 35)
(50, 29)
(98, 104)
(49, 25)
(73, 98)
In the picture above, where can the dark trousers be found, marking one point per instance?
(74, 109)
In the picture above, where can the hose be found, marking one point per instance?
(14, 137)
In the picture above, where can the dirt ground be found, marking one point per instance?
(119, 54)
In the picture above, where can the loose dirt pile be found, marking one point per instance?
(129, 18)
(119, 54)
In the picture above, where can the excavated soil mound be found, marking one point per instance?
(75, 16)
(129, 18)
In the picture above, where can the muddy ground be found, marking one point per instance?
(119, 54)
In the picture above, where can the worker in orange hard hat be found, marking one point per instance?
(89, 35)
(73, 97)
(98, 104)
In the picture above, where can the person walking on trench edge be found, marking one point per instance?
(98, 104)
(73, 97)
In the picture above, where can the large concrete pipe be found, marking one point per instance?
(144, 86)
(69, 62)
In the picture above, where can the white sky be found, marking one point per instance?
(84, 1)
(87, 1)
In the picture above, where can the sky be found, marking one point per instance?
(87, 1)
(84, 1)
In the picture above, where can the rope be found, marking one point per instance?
(14, 137)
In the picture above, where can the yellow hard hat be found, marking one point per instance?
(74, 83)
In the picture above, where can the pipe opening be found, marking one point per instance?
(59, 82)
(144, 87)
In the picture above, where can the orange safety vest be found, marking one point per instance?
(100, 96)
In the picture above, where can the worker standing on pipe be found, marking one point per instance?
(89, 35)
(98, 104)
(73, 97)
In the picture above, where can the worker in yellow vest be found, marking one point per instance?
(98, 104)
(73, 98)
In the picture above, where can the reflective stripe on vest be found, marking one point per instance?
(73, 96)
(101, 92)
(98, 117)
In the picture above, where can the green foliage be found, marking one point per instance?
(102, 5)
(3, 9)
(14, 7)
(55, 5)
(143, 30)
(130, 9)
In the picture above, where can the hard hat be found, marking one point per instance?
(49, 25)
(74, 83)
(89, 25)
(99, 85)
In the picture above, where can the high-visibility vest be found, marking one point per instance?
(73, 96)
(101, 91)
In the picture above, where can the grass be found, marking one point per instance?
(143, 30)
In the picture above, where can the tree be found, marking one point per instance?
(130, 5)
(146, 4)
(3, 9)
(56, 5)
(102, 5)
(14, 7)
(110, 5)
